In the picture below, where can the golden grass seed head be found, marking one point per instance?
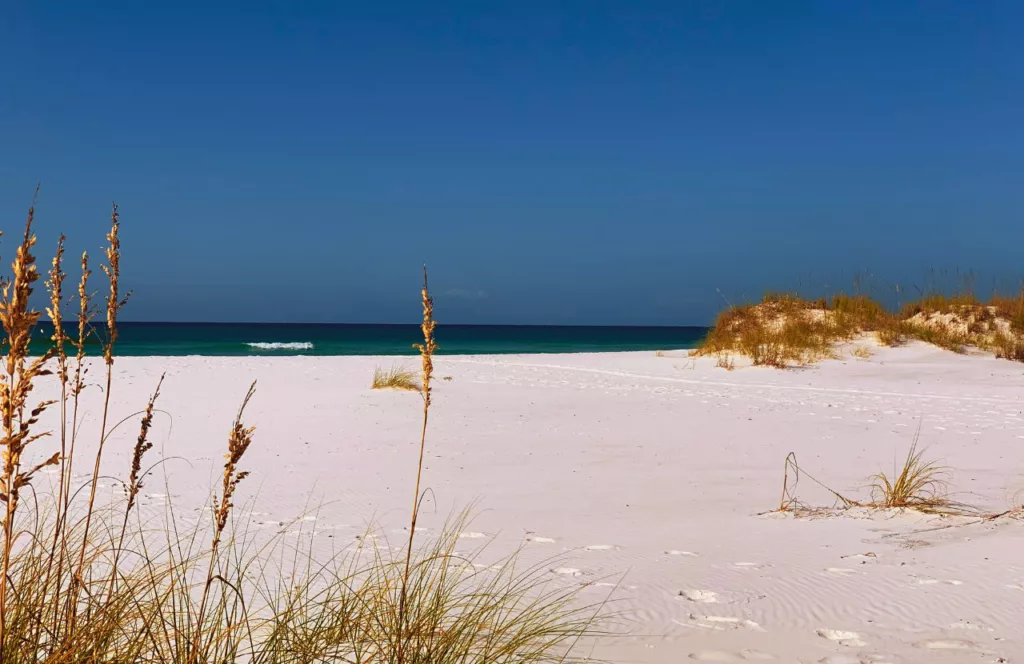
(55, 284)
(428, 347)
(17, 319)
(142, 445)
(113, 271)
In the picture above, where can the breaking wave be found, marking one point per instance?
(280, 345)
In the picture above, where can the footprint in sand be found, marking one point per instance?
(489, 568)
(567, 571)
(855, 659)
(945, 644)
(840, 571)
(865, 557)
(472, 535)
(723, 623)
(842, 637)
(541, 540)
(747, 565)
(932, 582)
(723, 656)
(714, 656)
(675, 552)
(974, 627)
(601, 547)
(699, 596)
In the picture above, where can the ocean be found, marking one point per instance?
(267, 339)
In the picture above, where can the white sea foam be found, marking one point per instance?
(280, 345)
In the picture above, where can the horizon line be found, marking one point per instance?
(101, 323)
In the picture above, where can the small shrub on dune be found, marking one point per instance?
(857, 313)
(941, 336)
(891, 332)
(938, 303)
(1009, 348)
(1011, 308)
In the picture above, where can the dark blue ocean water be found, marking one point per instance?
(343, 339)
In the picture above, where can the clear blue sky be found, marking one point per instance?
(553, 162)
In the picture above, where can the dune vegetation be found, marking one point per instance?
(88, 581)
(915, 483)
(785, 330)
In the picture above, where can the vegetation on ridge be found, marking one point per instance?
(785, 330)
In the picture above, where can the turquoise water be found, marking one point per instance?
(227, 339)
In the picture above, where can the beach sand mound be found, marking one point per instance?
(787, 330)
(983, 327)
(782, 331)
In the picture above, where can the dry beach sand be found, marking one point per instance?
(645, 477)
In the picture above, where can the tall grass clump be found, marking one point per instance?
(16, 387)
(108, 581)
(916, 484)
(395, 378)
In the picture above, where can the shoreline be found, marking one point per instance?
(239, 340)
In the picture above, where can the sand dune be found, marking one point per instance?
(648, 478)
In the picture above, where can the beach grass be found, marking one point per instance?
(395, 378)
(916, 484)
(95, 581)
(861, 352)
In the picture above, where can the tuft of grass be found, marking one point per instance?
(918, 484)
(725, 361)
(1008, 347)
(891, 332)
(395, 378)
(861, 352)
(941, 336)
(1010, 308)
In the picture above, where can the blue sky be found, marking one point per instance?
(553, 162)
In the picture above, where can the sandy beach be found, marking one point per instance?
(652, 478)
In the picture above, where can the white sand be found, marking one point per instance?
(647, 470)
